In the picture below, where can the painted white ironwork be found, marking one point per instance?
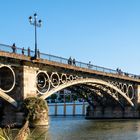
(86, 81)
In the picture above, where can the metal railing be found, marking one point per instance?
(28, 52)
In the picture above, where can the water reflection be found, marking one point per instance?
(39, 134)
(78, 128)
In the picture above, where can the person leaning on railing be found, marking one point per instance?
(74, 62)
(23, 50)
(29, 51)
(14, 48)
(38, 53)
(89, 65)
(70, 61)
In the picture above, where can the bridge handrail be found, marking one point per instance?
(29, 52)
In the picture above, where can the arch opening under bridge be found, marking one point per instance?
(7, 83)
(88, 81)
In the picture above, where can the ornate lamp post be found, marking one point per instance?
(36, 24)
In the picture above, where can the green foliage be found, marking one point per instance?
(32, 107)
(74, 97)
(67, 98)
(5, 134)
(53, 96)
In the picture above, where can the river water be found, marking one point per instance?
(78, 128)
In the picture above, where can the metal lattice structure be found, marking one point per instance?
(57, 82)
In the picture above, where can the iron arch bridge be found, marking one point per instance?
(50, 83)
(57, 82)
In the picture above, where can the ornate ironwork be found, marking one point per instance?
(112, 88)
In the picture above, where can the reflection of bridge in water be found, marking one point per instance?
(114, 94)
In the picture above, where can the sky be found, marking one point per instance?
(105, 32)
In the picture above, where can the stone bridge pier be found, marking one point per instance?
(17, 84)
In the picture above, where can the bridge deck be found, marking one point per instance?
(104, 72)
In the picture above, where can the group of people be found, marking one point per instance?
(119, 71)
(14, 48)
(72, 61)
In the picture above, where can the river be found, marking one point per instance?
(78, 128)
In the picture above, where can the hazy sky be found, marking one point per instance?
(105, 32)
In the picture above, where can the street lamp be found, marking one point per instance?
(36, 24)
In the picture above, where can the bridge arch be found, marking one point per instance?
(86, 81)
(7, 78)
(7, 83)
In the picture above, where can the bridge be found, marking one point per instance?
(110, 93)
